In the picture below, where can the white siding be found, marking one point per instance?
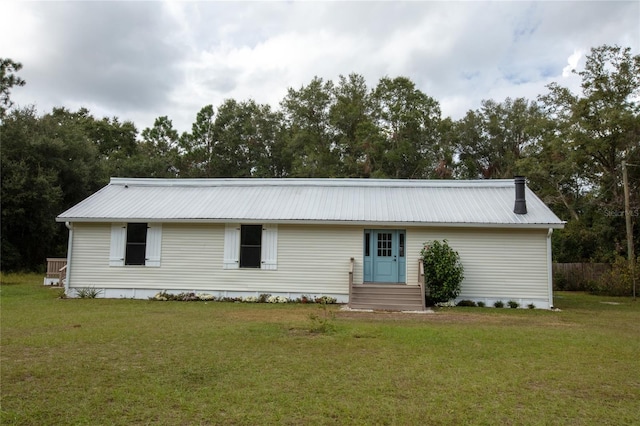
(311, 259)
(498, 264)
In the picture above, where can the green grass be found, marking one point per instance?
(124, 362)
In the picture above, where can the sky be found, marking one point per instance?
(141, 60)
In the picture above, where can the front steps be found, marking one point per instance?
(389, 297)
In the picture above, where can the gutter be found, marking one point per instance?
(550, 268)
(69, 226)
(520, 225)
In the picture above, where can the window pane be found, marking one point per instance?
(401, 248)
(250, 246)
(136, 233)
(250, 257)
(384, 244)
(135, 252)
(367, 244)
(251, 235)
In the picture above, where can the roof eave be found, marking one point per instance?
(320, 222)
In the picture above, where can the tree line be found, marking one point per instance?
(569, 145)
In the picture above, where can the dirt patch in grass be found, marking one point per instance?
(458, 316)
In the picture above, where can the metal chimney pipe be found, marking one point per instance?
(521, 202)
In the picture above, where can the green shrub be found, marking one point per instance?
(498, 304)
(618, 281)
(481, 304)
(531, 306)
(326, 300)
(466, 303)
(88, 292)
(560, 282)
(278, 299)
(187, 297)
(443, 272)
(513, 304)
(305, 299)
(263, 297)
(324, 322)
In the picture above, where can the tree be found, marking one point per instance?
(8, 80)
(117, 146)
(548, 163)
(49, 163)
(593, 132)
(445, 150)
(491, 140)
(199, 146)
(245, 132)
(310, 137)
(160, 149)
(65, 146)
(357, 138)
(408, 120)
(240, 139)
(30, 194)
(606, 118)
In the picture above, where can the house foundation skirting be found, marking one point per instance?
(523, 303)
(145, 293)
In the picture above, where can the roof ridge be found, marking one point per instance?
(310, 182)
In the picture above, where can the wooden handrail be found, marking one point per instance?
(421, 282)
(63, 274)
(351, 265)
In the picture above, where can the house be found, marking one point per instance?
(358, 240)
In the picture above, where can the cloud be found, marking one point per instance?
(115, 55)
(572, 61)
(142, 60)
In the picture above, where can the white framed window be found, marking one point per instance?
(135, 243)
(251, 246)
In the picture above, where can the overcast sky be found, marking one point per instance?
(141, 60)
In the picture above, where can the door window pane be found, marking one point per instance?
(384, 244)
(367, 244)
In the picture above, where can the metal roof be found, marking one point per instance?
(362, 201)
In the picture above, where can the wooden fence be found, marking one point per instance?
(577, 276)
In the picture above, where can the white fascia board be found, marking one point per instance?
(545, 226)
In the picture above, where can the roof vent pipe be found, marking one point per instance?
(521, 202)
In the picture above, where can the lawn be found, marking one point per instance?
(138, 362)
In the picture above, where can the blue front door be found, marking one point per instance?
(384, 256)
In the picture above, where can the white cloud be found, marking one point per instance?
(572, 62)
(143, 60)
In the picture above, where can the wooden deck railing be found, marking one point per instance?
(63, 274)
(56, 270)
